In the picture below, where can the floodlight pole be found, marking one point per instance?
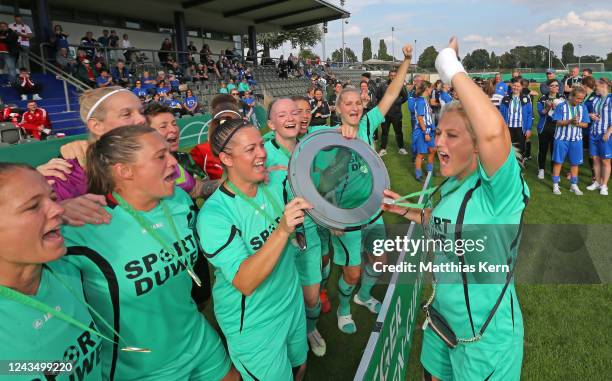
(392, 44)
(549, 52)
(343, 48)
(416, 62)
(579, 55)
(323, 41)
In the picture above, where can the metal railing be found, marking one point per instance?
(60, 75)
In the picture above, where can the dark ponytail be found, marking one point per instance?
(116, 146)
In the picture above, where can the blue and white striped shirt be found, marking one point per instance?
(423, 109)
(566, 111)
(515, 113)
(603, 108)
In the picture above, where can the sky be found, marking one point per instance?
(495, 25)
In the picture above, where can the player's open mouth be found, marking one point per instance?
(54, 235)
(172, 140)
(290, 126)
(353, 114)
(443, 157)
(171, 177)
(260, 165)
(305, 123)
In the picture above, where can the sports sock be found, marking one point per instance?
(369, 277)
(325, 274)
(418, 173)
(574, 180)
(345, 291)
(556, 179)
(312, 315)
(429, 167)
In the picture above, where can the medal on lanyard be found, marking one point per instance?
(300, 238)
(146, 225)
(29, 301)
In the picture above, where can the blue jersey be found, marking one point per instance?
(173, 103)
(501, 89)
(147, 85)
(163, 90)
(423, 109)
(565, 111)
(191, 101)
(603, 108)
(140, 92)
(101, 81)
(445, 98)
(412, 98)
(517, 111)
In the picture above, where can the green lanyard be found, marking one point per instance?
(428, 193)
(146, 225)
(277, 209)
(29, 301)
(572, 111)
(284, 150)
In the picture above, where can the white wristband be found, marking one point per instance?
(447, 65)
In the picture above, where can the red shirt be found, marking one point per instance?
(32, 120)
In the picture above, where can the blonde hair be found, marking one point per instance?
(89, 98)
(457, 107)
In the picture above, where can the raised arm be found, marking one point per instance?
(492, 135)
(395, 87)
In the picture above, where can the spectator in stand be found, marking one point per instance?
(99, 66)
(587, 72)
(66, 63)
(248, 108)
(25, 86)
(193, 51)
(126, 45)
(571, 81)
(140, 91)
(205, 53)
(104, 39)
(25, 34)
(236, 95)
(86, 73)
(202, 72)
(162, 88)
(104, 80)
(319, 109)
(121, 74)
(166, 47)
(231, 85)
(177, 71)
(89, 45)
(148, 81)
(331, 101)
(283, 68)
(243, 87)
(81, 55)
(175, 105)
(59, 39)
(9, 50)
(36, 121)
(113, 44)
(223, 88)
(190, 103)
(173, 82)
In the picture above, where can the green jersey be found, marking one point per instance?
(489, 209)
(29, 335)
(269, 135)
(139, 288)
(230, 231)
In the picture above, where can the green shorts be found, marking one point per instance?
(325, 238)
(308, 262)
(350, 247)
(270, 352)
(482, 360)
(209, 361)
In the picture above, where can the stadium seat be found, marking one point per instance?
(9, 134)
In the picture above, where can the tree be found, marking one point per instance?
(350, 56)
(507, 61)
(427, 59)
(307, 54)
(366, 54)
(382, 51)
(608, 61)
(567, 53)
(303, 37)
(493, 61)
(478, 59)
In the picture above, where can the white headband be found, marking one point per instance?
(224, 111)
(99, 102)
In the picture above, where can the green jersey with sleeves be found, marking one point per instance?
(489, 209)
(141, 290)
(230, 231)
(29, 335)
